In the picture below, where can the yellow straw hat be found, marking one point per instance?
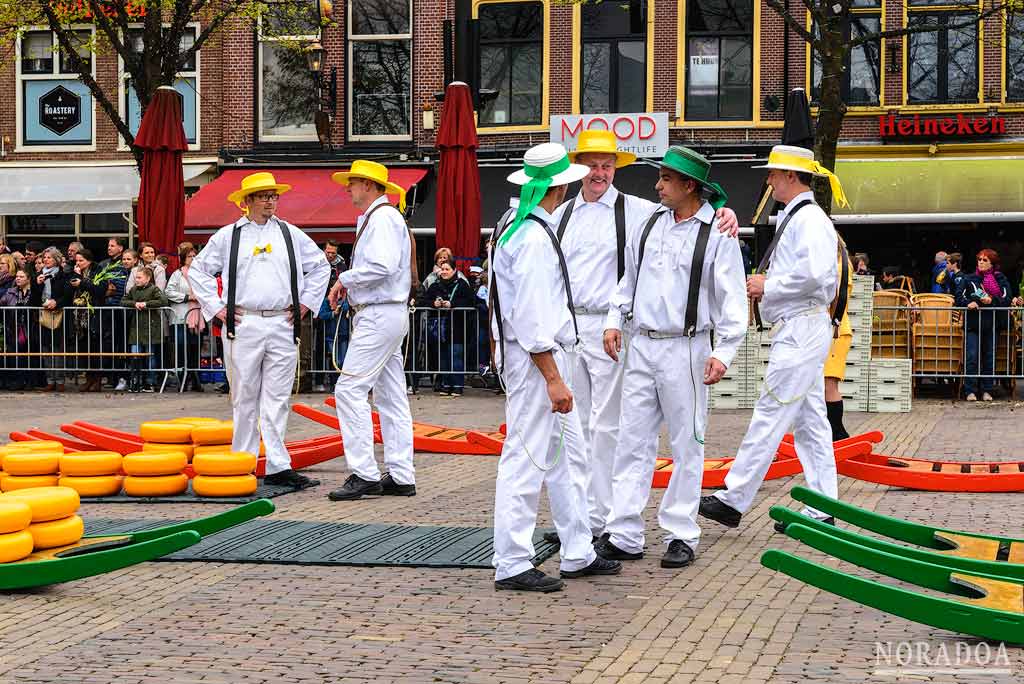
(790, 158)
(378, 173)
(600, 141)
(257, 182)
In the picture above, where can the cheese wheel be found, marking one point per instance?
(165, 432)
(14, 515)
(219, 433)
(224, 463)
(95, 485)
(90, 463)
(16, 482)
(224, 485)
(162, 485)
(31, 463)
(15, 546)
(49, 535)
(47, 503)
(33, 445)
(165, 448)
(194, 420)
(150, 463)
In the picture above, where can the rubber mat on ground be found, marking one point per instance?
(295, 542)
(264, 491)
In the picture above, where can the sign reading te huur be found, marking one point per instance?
(645, 135)
(57, 112)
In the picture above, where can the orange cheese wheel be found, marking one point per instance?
(166, 432)
(161, 485)
(214, 433)
(15, 546)
(47, 503)
(94, 485)
(157, 447)
(222, 449)
(194, 420)
(13, 483)
(224, 485)
(31, 463)
(224, 463)
(90, 463)
(49, 535)
(33, 445)
(152, 463)
(14, 515)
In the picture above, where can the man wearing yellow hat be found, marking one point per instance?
(273, 274)
(592, 229)
(379, 282)
(795, 294)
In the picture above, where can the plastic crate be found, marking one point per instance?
(896, 370)
(884, 404)
(728, 401)
(853, 390)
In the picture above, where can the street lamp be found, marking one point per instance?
(326, 102)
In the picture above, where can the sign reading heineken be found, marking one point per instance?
(959, 126)
(60, 110)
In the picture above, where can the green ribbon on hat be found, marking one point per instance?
(680, 159)
(533, 192)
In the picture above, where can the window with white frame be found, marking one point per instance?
(287, 91)
(186, 82)
(56, 108)
(380, 69)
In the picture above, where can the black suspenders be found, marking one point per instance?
(232, 281)
(696, 270)
(766, 259)
(620, 229)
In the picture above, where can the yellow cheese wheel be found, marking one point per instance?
(47, 503)
(15, 546)
(162, 485)
(194, 420)
(224, 485)
(33, 445)
(219, 433)
(224, 463)
(16, 482)
(166, 432)
(94, 485)
(90, 463)
(150, 463)
(157, 447)
(49, 535)
(31, 463)
(14, 515)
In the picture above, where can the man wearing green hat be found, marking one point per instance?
(683, 279)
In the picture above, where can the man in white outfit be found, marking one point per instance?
(273, 274)
(795, 295)
(592, 229)
(535, 332)
(379, 285)
(683, 280)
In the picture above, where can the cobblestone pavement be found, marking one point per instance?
(725, 619)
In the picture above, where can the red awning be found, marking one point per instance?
(315, 203)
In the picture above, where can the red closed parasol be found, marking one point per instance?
(458, 178)
(162, 192)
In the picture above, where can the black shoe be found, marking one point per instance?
(601, 539)
(391, 488)
(290, 478)
(531, 580)
(613, 552)
(354, 488)
(552, 538)
(600, 566)
(780, 527)
(679, 555)
(723, 514)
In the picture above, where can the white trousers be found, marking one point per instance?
(793, 395)
(553, 440)
(597, 387)
(374, 361)
(663, 382)
(260, 363)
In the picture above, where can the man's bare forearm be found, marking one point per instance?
(545, 363)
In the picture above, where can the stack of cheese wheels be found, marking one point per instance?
(155, 473)
(214, 437)
(225, 473)
(30, 464)
(54, 519)
(15, 539)
(92, 473)
(163, 436)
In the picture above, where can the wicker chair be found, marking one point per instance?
(938, 335)
(890, 325)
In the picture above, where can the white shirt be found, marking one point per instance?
(803, 273)
(264, 280)
(380, 271)
(531, 293)
(663, 288)
(591, 248)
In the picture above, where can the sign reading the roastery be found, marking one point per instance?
(959, 126)
(645, 135)
(60, 110)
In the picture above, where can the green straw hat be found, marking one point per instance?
(696, 167)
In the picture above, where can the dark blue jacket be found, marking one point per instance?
(984, 319)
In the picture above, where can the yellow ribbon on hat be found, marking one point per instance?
(257, 250)
(811, 166)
